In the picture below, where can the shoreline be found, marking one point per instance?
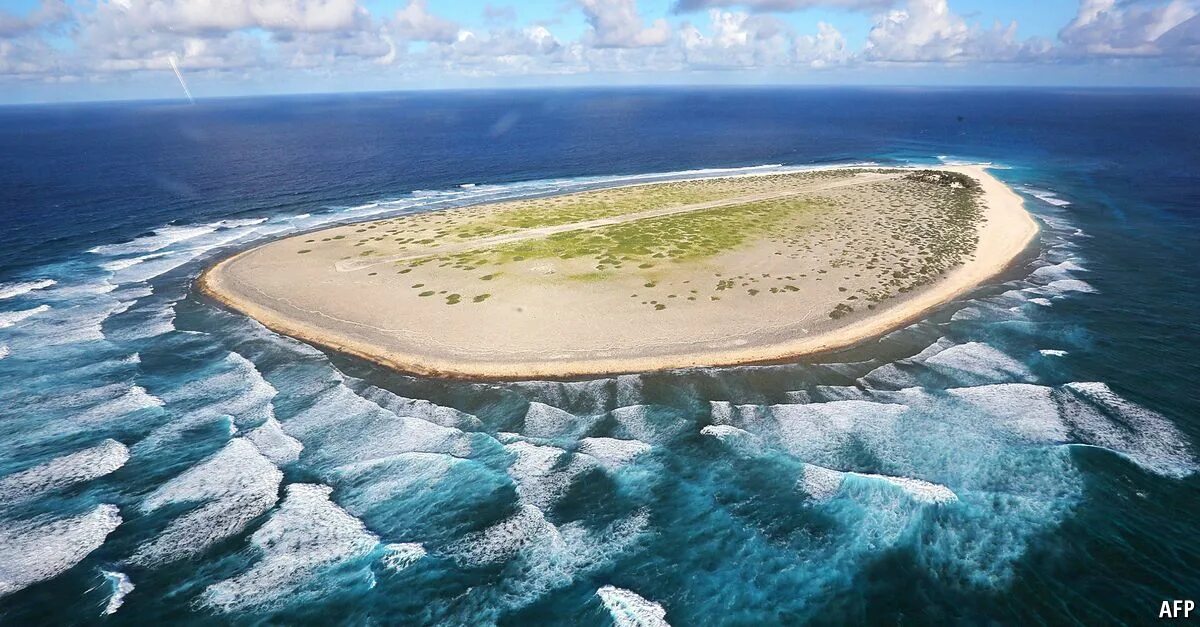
(1005, 233)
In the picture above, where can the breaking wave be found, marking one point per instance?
(36, 550)
(9, 290)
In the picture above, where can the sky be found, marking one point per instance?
(82, 50)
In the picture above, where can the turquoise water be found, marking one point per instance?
(1025, 454)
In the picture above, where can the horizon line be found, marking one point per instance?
(618, 88)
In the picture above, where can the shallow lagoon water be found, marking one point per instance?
(1027, 453)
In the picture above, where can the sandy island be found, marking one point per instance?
(704, 272)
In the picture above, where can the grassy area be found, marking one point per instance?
(866, 242)
(648, 242)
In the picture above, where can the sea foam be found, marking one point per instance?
(1100, 417)
(547, 421)
(271, 441)
(628, 609)
(9, 290)
(613, 453)
(400, 556)
(161, 238)
(61, 472)
(544, 473)
(305, 537)
(234, 486)
(121, 586)
(36, 550)
(10, 318)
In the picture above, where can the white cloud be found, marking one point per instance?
(617, 24)
(49, 13)
(683, 6)
(215, 16)
(928, 31)
(825, 49)
(1106, 28)
(736, 40)
(414, 22)
(294, 39)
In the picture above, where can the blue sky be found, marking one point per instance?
(62, 50)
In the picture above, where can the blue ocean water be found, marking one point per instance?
(1027, 454)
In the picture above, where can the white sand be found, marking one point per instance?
(533, 328)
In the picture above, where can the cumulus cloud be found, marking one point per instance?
(24, 53)
(109, 39)
(215, 16)
(928, 31)
(736, 40)
(825, 49)
(617, 24)
(683, 6)
(49, 13)
(415, 23)
(1134, 29)
(505, 50)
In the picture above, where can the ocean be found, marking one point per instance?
(1027, 454)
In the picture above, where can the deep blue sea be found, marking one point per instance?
(1026, 455)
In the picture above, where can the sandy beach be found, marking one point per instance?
(501, 291)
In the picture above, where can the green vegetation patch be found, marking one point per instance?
(581, 207)
(687, 236)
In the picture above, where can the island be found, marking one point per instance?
(701, 272)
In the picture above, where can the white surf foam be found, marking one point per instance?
(306, 536)
(628, 609)
(544, 473)
(343, 428)
(546, 421)
(1067, 286)
(1063, 270)
(612, 452)
(134, 398)
(127, 262)
(402, 555)
(271, 441)
(9, 318)
(1027, 411)
(586, 398)
(819, 431)
(722, 432)
(36, 550)
(121, 586)
(154, 322)
(918, 489)
(504, 539)
(161, 238)
(894, 375)
(235, 486)
(978, 360)
(238, 391)
(820, 483)
(1051, 352)
(642, 423)
(418, 408)
(5, 351)
(404, 475)
(9, 290)
(61, 472)
(1145, 436)
(1045, 196)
